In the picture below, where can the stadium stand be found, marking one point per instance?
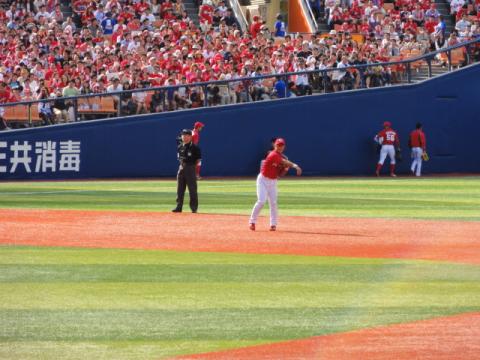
(47, 46)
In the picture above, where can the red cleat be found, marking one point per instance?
(252, 227)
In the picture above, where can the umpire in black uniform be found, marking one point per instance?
(189, 155)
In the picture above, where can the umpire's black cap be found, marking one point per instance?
(186, 132)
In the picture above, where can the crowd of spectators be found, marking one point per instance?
(115, 45)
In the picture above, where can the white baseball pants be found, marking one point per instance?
(416, 167)
(387, 150)
(266, 189)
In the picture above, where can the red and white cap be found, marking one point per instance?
(280, 141)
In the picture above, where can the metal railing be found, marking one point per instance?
(239, 90)
(237, 10)
(312, 21)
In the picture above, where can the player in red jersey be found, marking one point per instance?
(388, 139)
(418, 145)
(197, 127)
(275, 165)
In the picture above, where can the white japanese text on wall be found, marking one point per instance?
(39, 156)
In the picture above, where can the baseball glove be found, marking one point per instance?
(425, 156)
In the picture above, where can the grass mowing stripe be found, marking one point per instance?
(12, 254)
(206, 273)
(203, 324)
(235, 295)
(428, 198)
(114, 350)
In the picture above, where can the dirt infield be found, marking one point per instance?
(316, 236)
(449, 338)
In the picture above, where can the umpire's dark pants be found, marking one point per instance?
(186, 177)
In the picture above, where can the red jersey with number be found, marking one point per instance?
(272, 164)
(388, 137)
(417, 139)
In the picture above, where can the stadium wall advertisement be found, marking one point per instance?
(327, 135)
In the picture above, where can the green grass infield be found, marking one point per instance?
(424, 198)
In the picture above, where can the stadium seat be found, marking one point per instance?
(457, 57)
(107, 105)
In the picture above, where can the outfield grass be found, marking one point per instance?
(134, 304)
(426, 198)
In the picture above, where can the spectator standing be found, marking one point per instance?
(60, 108)
(463, 26)
(439, 32)
(114, 87)
(388, 140)
(316, 7)
(230, 18)
(139, 98)
(108, 23)
(302, 82)
(418, 146)
(127, 105)
(45, 108)
(197, 128)
(255, 26)
(157, 101)
(280, 88)
(4, 98)
(432, 11)
(70, 90)
(280, 28)
(188, 155)
(455, 6)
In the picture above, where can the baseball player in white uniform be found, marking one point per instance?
(275, 165)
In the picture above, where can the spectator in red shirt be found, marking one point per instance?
(410, 26)
(255, 26)
(430, 24)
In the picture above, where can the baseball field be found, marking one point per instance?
(358, 269)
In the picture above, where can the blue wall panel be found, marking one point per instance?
(326, 135)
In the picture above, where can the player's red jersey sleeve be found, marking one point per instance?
(195, 137)
(271, 165)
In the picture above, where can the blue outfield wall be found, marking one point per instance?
(327, 135)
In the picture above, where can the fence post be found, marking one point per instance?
(324, 81)
(362, 78)
(449, 56)
(467, 57)
(429, 63)
(205, 95)
(75, 109)
(245, 87)
(30, 114)
(119, 105)
(409, 73)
